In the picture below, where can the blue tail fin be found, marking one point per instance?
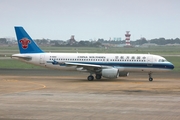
(25, 43)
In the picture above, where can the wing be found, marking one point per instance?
(82, 65)
(94, 68)
(88, 67)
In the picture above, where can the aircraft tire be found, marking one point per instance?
(90, 78)
(98, 76)
(151, 79)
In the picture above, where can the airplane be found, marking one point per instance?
(109, 66)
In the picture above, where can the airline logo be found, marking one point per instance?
(25, 43)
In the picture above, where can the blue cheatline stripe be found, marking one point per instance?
(133, 65)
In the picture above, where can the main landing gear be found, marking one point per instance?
(150, 77)
(91, 77)
(98, 76)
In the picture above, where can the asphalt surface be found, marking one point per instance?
(50, 94)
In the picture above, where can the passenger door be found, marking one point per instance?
(42, 59)
(150, 61)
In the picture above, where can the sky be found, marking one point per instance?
(91, 19)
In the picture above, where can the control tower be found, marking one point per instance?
(127, 35)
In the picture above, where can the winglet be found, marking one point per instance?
(25, 42)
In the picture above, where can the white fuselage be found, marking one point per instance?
(123, 62)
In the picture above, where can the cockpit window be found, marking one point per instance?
(162, 60)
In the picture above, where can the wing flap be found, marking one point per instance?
(89, 67)
(83, 65)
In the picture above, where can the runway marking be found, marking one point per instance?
(27, 90)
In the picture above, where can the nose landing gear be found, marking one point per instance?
(150, 77)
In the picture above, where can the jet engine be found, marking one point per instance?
(110, 73)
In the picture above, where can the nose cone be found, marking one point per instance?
(171, 66)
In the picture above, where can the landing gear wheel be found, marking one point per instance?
(90, 78)
(98, 76)
(150, 79)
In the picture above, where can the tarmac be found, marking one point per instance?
(62, 95)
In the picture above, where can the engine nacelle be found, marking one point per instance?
(110, 73)
(123, 74)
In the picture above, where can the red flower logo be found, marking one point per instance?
(25, 43)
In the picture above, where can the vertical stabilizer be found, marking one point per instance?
(25, 43)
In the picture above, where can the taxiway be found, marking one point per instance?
(50, 94)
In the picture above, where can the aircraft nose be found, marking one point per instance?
(171, 66)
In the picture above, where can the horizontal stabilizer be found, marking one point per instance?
(20, 56)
